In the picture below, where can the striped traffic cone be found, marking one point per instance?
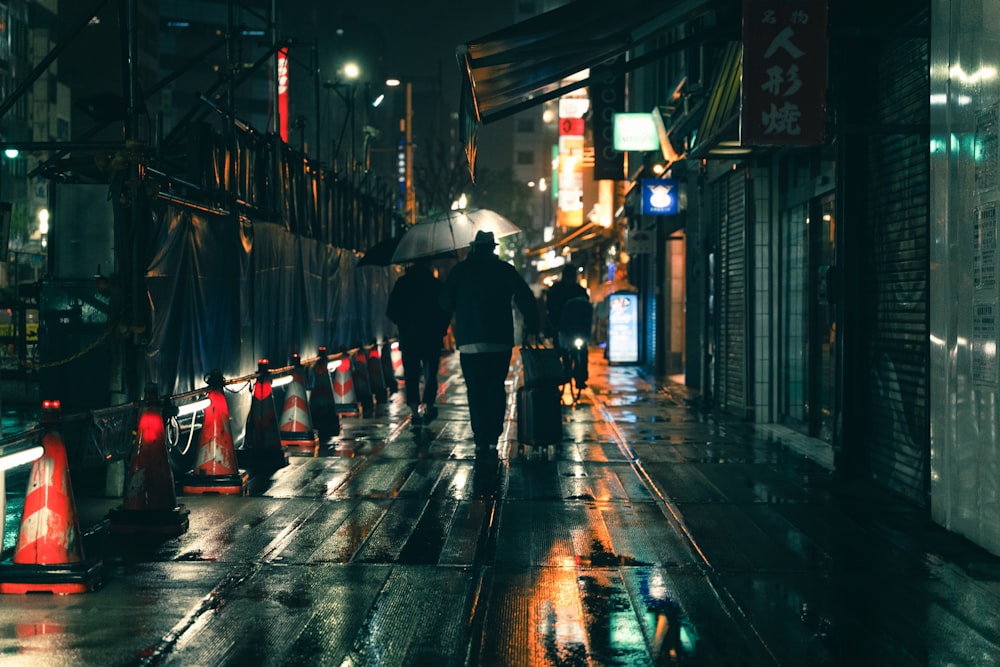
(375, 377)
(150, 502)
(362, 385)
(296, 427)
(262, 442)
(397, 360)
(344, 396)
(322, 400)
(49, 556)
(388, 373)
(216, 469)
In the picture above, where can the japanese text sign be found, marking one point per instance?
(784, 73)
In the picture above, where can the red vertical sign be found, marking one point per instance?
(784, 73)
(283, 93)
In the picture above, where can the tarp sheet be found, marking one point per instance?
(224, 293)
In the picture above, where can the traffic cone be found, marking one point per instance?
(296, 427)
(216, 467)
(49, 555)
(150, 502)
(322, 400)
(388, 372)
(262, 442)
(362, 385)
(375, 377)
(397, 360)
(344, 396)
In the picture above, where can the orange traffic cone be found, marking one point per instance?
(262, 442)
(344, 396)
(388, 373)
(216, 468)
(150, 502)
(362, 385)
(296, 427)
(49, 556)
(322, 401)
(375, 377)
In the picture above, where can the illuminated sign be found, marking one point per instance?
(784, 73)
(635, 132)
(283, 93)
(659, 196)
(623, 328)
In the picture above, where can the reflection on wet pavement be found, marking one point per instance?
(653, 533)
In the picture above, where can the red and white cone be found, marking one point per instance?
(397, 360)
(216, 469)
(344, 396)
(322, 400)
(150, 503)
(296, 427)
(262, 442)
(48, 557)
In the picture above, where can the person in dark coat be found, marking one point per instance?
(479, 291)
(569, 315)
(415, 308)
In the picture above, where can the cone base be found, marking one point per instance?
(161, 523)
(297, 444)
(348, 408)
(267, 459)
(228, 485)
(66, 579)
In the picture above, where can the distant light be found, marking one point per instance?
(378, 100)
(12, 153)
(392, 83)
(43, 220)
(352, 71)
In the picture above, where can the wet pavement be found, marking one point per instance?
(653, 534)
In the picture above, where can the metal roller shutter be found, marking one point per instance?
(731, 294)
(900, 173)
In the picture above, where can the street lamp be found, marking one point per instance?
(349, 74)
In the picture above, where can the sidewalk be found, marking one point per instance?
(654, 533)
(823, 571)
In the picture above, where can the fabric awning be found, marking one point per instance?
(541, 58)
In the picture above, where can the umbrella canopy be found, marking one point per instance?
(448, 231)
(380, 254)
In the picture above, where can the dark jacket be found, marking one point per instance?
(555, 303)
(415, 308)
(479, 291)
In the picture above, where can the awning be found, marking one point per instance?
(720, 120)
(579, 239)
(535, 60)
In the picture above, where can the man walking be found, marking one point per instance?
(415, 308)
(479, 291)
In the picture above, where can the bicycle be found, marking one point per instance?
(573, 351)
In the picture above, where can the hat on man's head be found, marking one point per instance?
(484, 238)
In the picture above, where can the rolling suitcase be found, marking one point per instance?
(539, 415)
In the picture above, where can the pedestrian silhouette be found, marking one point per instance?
(415, 308)
(479, 291)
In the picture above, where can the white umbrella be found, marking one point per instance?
(448, 231)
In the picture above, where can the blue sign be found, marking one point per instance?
(659, 196)
(623, 328)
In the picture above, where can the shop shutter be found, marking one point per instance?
(899, 433)
(730, 297)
